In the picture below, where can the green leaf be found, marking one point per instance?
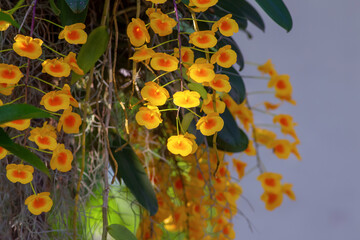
(22, 153)
(16, 7)
(67, 16)
(54, 8)
(119, 232)
(77, 6)
(237, 92)
(250, 13)
(197, 87)
(12, 112)
(234, 46)
(8, 18)
(187, 119)
(91, 51)
(277, 10)
(231, 138)
(132, 172)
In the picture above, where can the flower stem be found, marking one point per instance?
(48, 47)
(43, 19)
(32, 187)
(172, 40)
(41, 80)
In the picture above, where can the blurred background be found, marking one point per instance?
(322, 56)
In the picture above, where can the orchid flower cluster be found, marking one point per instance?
(191, 199)
(60, 99)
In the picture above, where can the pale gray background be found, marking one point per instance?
(322, 55)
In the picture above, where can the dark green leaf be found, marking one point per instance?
(250, 13)
(21, 152)
(12, 112)
(231, 138)
(8, 18)
(197, 87)
(91, 51)
(237, 92)
(77, 6)
(67, 16)
(277, 10)
(119, 232)
(229, 41)
(185, 2)
(132, 172)
(54, 8)
(223, 8)
(187, 119)
(16, 7)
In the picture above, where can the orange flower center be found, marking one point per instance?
(57, 68)
(27, 47)
(178, 184)
(8, 74)
(39, 202)
(1, 150)
(19, 174)
(226, 230)
(61, 159)
(272, 197)
(224, 57)
(55, 101)
(225, 25)
(203, 39)
(270, 182)
(148, 117)
(70, 121)
(219, 84)
(201, 72)
(44, 140)
(73, 35)
(203, 1)
(137, 32)
(220, 197)
(281, 84)
(197, 208)
(19, 122)
(164, 62)
(200, 176)
(279, 149)
(186, 57)
(210, 123)
(162, 25)
(155, 93)
(284, 121)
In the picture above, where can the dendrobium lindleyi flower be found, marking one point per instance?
(204, 3)
(3, 152)
(142, 53)
(55, 100)
(286, 123)
(3, 24)
(271, 182)
(239, 167)
(271, 106)
(210, 124)
(74, 34)
(69, 121)
(20, 124)
(71, 60)
(19, 173)
(272, 200)
(186, 99)
(187, 55)
(39, 203)
(224, 57)
(10, 74)
(162, 24)
(6, 89)
(282, 148)
(61, 159)
(283, 88)
(149, 117)
(137, 32)
(56, 67)
(220, 83)
(287, 189)
(208, 106)
(179, 144)
(154, 94)
(203, 39)
(265, 137)
(226, 26)
(201, 72)
(250, 150)
(164, 62)
(66, 90)
(157, 1)
(44, 137)
(267, 68)
(26, 46)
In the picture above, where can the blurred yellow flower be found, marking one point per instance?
(272, 200)
(271, 182)
(56, 67)
(210, 124)
(69, 121)
(186, 99)
(10, 74)
(137, 32)
(267, 68)
(44, 137)
(74, 34)
(208, 106)
(20, 124)
(180, 145)
(55, 100)
(282, 148)
(239, 167)
(226, 25)
(61, 159)
(165, 62)
(6, 89)
(220, 83)
(203, 39)
(142, 53)
(71, 60)
(162, 24)
(149, 117)
(154, 94)
(3, 152)
(224, 57)
(187, 55)
(201, 72)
